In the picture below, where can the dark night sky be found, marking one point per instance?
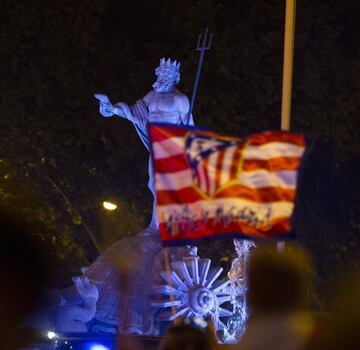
(56, 54)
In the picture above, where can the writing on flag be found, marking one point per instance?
(212, 186)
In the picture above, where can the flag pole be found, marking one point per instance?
(288, 63)
(287, 73)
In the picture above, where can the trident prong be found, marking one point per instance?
(206, 45)
(198, 43)
(202, 46)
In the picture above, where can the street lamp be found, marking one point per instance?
(109, 205)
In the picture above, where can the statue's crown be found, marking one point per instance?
(172, 68)
(173, 65)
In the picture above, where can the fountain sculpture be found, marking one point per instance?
(131, 291)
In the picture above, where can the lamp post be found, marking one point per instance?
(287, 75)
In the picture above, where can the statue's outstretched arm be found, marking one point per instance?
(107, 109)
(137, 114)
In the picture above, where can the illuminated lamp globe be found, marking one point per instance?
(109, 205)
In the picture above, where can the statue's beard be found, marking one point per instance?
(162, 88)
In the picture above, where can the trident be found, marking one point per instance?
(202, 46)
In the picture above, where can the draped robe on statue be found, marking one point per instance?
(139, 115)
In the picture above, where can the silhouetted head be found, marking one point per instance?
(23, 271)
(185, 337)
(344, 330)
(278, 281)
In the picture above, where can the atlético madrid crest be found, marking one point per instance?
(210, 186)
(215, 162)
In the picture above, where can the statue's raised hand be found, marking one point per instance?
(86, 288)
(106, 108)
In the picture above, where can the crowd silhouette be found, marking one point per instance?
(278, 300)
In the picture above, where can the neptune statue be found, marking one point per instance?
(164, 103)
(135, 286)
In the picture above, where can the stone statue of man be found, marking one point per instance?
(163, 104)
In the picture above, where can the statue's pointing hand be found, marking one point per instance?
(106, 108)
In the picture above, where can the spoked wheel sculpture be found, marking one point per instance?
(192, 290)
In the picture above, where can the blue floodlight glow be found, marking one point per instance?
(98, 347)
(51, 335)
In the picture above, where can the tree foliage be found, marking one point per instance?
(59, 159)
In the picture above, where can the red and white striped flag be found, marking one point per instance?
(213, 186)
